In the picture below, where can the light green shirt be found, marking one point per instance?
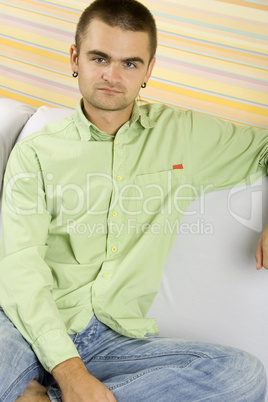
(89, 220)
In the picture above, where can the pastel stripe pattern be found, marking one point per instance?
(212, 55)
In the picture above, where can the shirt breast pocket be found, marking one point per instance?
(159, 195)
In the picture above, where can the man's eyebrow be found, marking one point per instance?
(133, 59)
(99, 53)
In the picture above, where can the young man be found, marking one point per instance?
(78, 299)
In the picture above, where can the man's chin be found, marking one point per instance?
(110, 105)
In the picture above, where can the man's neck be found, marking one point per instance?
(106, 120)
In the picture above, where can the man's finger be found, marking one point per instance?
(258, 256)
(265, 258)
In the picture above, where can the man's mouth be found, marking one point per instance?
(111, 91)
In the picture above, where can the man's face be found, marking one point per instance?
(112, 66)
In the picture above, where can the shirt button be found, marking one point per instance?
(116, 142)
(105, 275)
(114, 249)
(119, 178)
(114, 213)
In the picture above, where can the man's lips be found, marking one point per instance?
(109, 90)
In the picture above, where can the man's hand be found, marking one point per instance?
(78, 385)
(262, 250)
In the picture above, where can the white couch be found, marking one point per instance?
(211, 290)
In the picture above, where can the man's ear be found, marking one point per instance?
(73, 58)
(150, 69)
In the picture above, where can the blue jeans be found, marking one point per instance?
(135, 370)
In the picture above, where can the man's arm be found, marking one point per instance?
(224, 155)
(26, 281)
(25, 278)
(262, 250)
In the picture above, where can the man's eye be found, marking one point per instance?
(129, 64)
(99, 60)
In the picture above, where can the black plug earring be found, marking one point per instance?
(75, 74)
(144, 85)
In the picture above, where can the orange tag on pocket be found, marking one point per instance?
(178, 166)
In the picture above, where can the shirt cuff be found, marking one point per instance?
(53, 348)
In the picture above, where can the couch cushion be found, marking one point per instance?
(13, 116)
(43, 116)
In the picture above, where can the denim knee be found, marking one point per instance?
(253, 376)
(246, 379)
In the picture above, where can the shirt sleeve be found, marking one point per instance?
(25, 279)
(222, 155)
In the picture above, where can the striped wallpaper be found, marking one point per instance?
(212, 55)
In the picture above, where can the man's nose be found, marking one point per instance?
(112, 73)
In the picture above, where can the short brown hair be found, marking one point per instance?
(129, 15)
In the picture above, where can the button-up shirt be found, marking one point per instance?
(89, 219)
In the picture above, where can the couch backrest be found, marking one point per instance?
(13, 116)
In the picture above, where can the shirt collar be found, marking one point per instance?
(140, 114)
(88, 131)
